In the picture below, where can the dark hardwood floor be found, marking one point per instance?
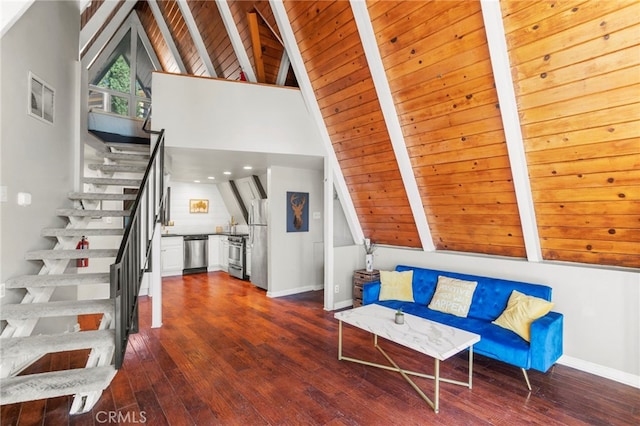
(228, 355)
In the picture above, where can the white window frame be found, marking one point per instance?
(44, 96)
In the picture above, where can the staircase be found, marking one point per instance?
(19, 348)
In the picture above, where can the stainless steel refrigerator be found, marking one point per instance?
(258, 238)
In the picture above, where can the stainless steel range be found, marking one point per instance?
(237, 256)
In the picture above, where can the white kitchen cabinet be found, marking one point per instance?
(172, 255)
(214, 253)
(224, 253)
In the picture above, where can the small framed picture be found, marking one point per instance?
(297, 211)
(41, 102)
(198, 206)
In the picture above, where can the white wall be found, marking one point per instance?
(239, 116)
(601, 306)
(36, 157)
(342, 235)
(185, 222)
(296, 258)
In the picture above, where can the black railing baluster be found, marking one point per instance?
(133, 260)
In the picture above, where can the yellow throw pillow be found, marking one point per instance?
(453, 296)
(521, 311)
(396, 285)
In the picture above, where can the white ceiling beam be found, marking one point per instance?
(285, 63)
(494, 27)
(142, 33)
(236, 41)
(291, 46)
(84, 4)
(381, 84)
(105, 35)
(97, 65)
(196, 37)
(96, 22)
(166, 34)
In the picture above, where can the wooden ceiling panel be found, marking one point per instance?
(215, 39)
(440, 76)
(338, 71)
(577, 82)
(181, 37)
(155, 37)
(270, 44)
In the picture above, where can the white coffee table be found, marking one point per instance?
(431, 338)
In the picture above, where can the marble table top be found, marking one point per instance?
(428, 337)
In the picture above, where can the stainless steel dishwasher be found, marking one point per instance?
(196, 258)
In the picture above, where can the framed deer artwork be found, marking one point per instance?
(297, 212)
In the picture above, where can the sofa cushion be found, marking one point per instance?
(453, 296)
(396, 285)
(521, 311)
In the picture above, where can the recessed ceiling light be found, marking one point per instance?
(226, 173)
(210, 177)
(247, 167)
(196, 181)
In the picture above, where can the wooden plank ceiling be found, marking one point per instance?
(576, 71)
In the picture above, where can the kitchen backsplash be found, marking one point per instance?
(198, 223)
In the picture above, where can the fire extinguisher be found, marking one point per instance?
(83, 244)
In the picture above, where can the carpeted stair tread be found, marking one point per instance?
(53, 384)
(70, 254)
(58, 280)
(18, 347)
(23, 311)
(93, 213)
(132, 168)
(71, 232)
(101, 196)
(112, 181)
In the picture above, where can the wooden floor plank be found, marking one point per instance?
(229, 355)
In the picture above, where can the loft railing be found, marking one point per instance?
(108, 100)
(134, 256)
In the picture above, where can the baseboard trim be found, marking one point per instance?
(600, 370)
(343, 304)
(289, 292)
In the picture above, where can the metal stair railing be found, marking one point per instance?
(134, 255)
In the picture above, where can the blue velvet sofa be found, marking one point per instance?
(489, 300)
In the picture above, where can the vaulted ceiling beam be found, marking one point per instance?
(266, 22)
(291, 46)
(254, 31)
(494, 27)
(105, 35)
(285, 63)
(381, 84)
(166, 34)
(144, 37)
(196, 37)
(236, 41)
(96, 22)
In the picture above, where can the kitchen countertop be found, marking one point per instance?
(205, 233)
